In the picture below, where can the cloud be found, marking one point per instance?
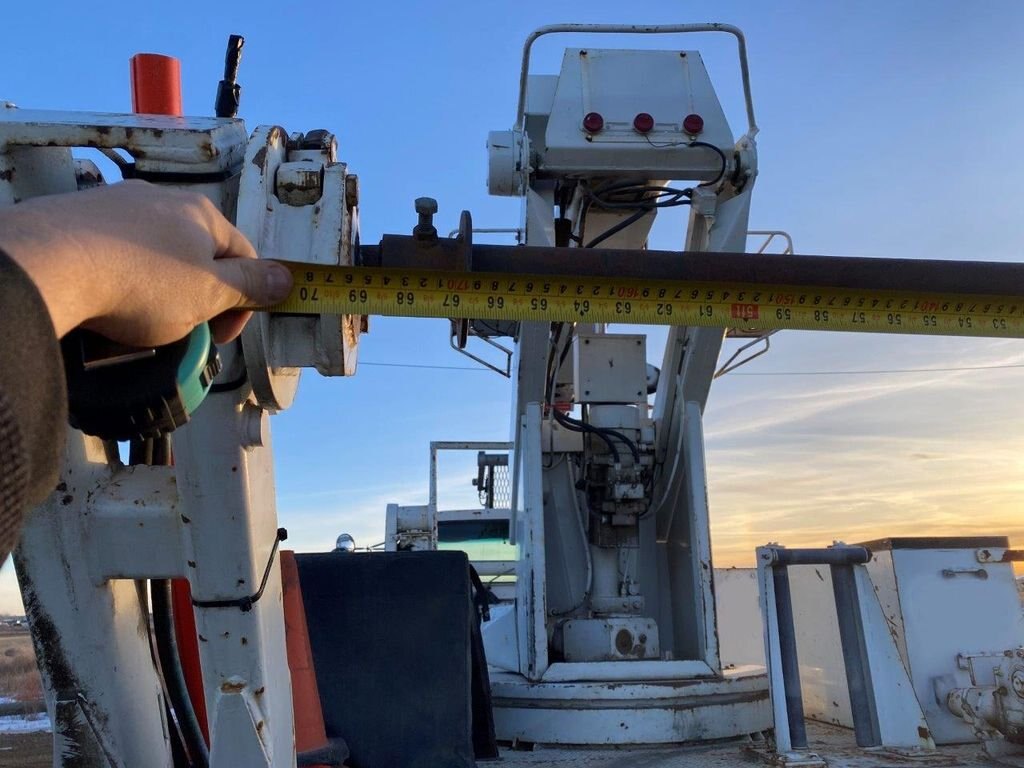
(934, 453)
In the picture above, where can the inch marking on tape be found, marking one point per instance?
(552, 298)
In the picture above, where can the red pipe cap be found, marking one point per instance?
(156, 84)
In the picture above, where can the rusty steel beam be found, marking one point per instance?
(856, 273)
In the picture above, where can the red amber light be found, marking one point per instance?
(593, 122)
(693, 124)
(643, 123)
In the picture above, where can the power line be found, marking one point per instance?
(752, 373)
(418, 365)
(878, 371)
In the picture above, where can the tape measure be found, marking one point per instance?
(551, 298)
(123, 393)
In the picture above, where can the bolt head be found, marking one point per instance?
(1017, 681)
(426, 205)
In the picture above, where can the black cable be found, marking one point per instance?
(629, 443)
(140, 451)
(550, 374)
(721, 156)
(245, 604)
(611, 433)
(174, 676)
(574, 426)
(717, 150)
(582, 227)
(228, 386)
(158, 452)
(566, 421)
(630, 195)
(565, 354)
(179, 755)
(632, 219)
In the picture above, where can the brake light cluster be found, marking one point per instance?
(593, 122)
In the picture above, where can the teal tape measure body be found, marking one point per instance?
(126, 393)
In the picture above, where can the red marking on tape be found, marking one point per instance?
(745, 311)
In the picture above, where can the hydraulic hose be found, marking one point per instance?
(174, 676)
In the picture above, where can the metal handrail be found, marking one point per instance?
(639, 29)
(771, 234)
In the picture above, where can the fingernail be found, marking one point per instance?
(279, 281)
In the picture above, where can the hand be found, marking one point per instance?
(141, 264)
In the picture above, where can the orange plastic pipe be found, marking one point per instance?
(310, 732)
(156, 84)
(188, 649)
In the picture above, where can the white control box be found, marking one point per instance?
(610, 368)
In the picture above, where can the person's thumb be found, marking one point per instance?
(258, 282)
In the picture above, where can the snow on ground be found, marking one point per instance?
(29, 724)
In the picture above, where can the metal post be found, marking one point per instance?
(790, 663)
(225, 479)
(90, 630)
(855, 658)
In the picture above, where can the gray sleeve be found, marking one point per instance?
(33, 401)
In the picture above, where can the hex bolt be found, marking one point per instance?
(426, 207)
(319, 138)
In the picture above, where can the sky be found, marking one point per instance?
(887, 129)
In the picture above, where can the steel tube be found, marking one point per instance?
(788, 654)
(855, 657)
(895, 275)
(827, 556)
